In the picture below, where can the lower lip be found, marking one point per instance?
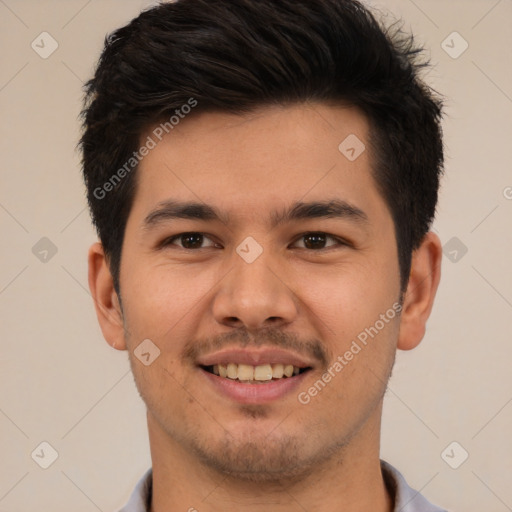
(245, 393)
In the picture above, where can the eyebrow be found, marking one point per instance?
(333, 208)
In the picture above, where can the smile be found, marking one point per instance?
(255, 374)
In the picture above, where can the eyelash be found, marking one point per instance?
(340, 242)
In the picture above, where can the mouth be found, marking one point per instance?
(260, 374)
(254, 376)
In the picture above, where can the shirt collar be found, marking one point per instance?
(406, 498)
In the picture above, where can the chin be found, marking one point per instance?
(263, 457)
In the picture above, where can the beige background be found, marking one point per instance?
(61, 383)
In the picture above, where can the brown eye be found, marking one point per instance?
(317, 240)
(191, 240)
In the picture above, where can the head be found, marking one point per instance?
(245, 107)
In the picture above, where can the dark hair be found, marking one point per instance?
(238, 55)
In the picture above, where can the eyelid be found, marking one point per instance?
(339, 241)
(170, 240)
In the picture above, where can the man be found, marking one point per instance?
(262, 177)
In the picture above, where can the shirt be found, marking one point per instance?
(406, 498)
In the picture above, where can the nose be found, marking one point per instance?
(255, 295)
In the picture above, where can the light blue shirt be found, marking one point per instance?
(406, 498)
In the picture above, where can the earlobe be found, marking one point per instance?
(106, 302)
(421, 291)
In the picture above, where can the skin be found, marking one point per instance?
(209, 452)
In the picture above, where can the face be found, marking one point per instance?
(253, 276)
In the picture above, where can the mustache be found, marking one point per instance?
(267, 336)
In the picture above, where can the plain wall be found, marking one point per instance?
(61, 383)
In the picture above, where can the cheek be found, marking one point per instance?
(157, 300)
(168, 303)
(348, 298)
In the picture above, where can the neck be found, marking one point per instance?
(350, 479)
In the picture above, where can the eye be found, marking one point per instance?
(189, 240)
(315, 240)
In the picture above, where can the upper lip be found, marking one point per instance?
(255, 357)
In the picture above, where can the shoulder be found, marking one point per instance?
(407, 499)
(141, 496)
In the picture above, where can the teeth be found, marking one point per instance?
(262, 372)
(277, 371)
(288, 370)
(247, 372)
(232, 371)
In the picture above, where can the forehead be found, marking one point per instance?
(259, 161)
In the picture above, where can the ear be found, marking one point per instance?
(421, 291)
(106, 302)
